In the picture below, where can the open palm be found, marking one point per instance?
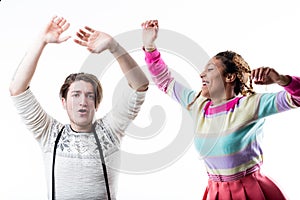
(54, 29)
(95, 41)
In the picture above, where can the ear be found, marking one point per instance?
(64, 103)
(230, 78)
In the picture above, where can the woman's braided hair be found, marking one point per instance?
(235, 64)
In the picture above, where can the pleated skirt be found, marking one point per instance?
(254, 186)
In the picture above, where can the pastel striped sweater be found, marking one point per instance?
(227, 136)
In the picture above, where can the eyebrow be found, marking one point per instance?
(210, 64)
(79, 91)
(217, 64)
(76, 91)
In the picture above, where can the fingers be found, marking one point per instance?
(150, 24)
(80, 42)
(54, 19)
(61, 23)
(83, 35)
(261, 75)
(257, 74)
(89, 29)
(65, 25)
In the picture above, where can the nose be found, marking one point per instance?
(202, 74)
(83, 101)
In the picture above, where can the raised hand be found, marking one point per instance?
(150, 32)
(95, 41)
(267, 75)
(50, 34)
(54, 29)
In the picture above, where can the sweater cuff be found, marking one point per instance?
(155, 64)
(294, 86)
(151, 56)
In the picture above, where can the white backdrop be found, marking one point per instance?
(265, 33)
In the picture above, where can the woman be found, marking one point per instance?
(228, 117)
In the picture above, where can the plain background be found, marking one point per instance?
(265, 33)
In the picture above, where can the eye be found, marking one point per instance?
(210, 67)
(75, 95)
(91, 96)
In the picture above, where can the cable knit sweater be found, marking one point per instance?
(78, 170)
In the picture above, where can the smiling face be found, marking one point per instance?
(225, 76)
(213, 80)
(80, 105)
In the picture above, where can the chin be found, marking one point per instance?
(83, 122)
(205, 94)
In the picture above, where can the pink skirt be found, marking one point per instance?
(254, 186)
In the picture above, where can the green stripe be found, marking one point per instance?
(231, 143)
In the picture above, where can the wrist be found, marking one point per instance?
(42, 40)
(114, 47)
(40, 43)
(150, 48)
(284, 80)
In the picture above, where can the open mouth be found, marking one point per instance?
(82, 111)
(204, 83)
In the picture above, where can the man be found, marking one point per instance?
(78, 172)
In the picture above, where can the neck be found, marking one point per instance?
(81, 129)
(229, 94)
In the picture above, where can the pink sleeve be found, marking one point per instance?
(294, 89)
(158, 69)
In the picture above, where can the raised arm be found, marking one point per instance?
(267, 75)
(160, 73)
(51, 34)
(97, 41)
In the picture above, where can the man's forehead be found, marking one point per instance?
(81, 86)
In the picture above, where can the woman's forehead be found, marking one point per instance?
(214, 61)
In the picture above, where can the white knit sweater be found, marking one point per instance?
(78, 170)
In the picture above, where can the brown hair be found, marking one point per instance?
(234, 64)
(82, 77)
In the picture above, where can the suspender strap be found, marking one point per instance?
(53, 162)
(103, 163)
(101, 157)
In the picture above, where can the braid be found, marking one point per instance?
(197, 96)
(234, 63)
(243, 72)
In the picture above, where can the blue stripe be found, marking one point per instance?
(231, 143)
(251, 152)
(267, 105)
